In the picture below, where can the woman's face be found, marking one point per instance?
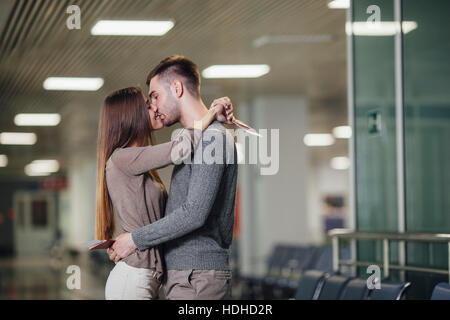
(155, 120)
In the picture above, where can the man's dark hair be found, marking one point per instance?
(174, 65)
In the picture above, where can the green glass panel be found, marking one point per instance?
(426, 51)
(374, 80)
(376, 186)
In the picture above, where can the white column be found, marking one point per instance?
(275, 207)
(80, 136)
(82, 187)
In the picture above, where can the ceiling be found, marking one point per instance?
(35, 44)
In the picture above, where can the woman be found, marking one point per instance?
(127, 160)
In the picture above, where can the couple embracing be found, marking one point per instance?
(177, 240)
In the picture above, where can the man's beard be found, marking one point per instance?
(173, 112)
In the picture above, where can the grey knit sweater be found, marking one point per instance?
(197, 228)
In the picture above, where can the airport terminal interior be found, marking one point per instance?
(347, 195)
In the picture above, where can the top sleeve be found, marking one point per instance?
(138, 160)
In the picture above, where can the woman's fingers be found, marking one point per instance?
(223, 101)
(228, 107)
(229, 113)
(224, 109)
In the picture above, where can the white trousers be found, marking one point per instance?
(129, 283)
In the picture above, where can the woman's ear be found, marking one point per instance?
(177, 88)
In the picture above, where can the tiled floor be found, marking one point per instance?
(45, 277)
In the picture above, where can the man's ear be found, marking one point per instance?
(177, 88)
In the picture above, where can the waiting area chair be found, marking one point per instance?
(319, 285)
(441, 291)
(310, 285)
(356, 289)
(333, 287)
(390, 291)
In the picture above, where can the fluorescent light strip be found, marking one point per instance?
(131, 28)
(340, 163)
(37, 119)
(342, 132)
(17, 138)
(3, 160)
(318, 139)
(339, 4)
(31, 173)
(41, 167)
(382, 28)
(73, 84)
(236, 71)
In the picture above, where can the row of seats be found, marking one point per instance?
(285, 267)
(318, 285)
(305, 273)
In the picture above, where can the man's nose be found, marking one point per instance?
(153, 107)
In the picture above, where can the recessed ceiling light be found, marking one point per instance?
(318, 139)
(3, 160)
(382, 28)
(41, 167)
(339, 4)
(342, 132)
(73, 84)
(340, 163)
(131, 28)
(17, 138)
(37, 119)
(236, 71)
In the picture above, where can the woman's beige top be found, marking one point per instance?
(137, 199)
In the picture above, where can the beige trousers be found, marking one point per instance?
(197, 285)
(129, 283)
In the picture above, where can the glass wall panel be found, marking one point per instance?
(427, 132)
(374, 80)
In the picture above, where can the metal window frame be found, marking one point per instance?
(352, 141)
(400, 131)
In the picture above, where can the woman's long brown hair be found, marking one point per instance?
(123, 121)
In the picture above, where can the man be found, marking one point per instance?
(197, 228)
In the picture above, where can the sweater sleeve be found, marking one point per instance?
(204, 184)
(138, 160)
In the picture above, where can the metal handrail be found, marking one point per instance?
(337, 234)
